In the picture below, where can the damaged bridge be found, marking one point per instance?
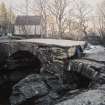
(46, 71)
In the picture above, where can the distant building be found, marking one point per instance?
(27, 25)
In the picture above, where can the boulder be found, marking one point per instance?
(31, 86)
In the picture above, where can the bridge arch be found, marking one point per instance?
(25, 59)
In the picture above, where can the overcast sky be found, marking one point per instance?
(18, 3)
(92, 2)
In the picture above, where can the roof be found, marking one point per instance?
(28, 20)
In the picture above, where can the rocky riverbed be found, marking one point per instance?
(24, 80)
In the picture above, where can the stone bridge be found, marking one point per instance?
(44, 49)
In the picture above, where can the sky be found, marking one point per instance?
(93, 2)
(18, 3)
(13, 2)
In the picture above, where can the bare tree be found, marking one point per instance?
(82, 12)
(58, 9)
(5, 15)
(101, 9)
(70, 20)
(27, 7)
(42, 9)
(101, 20)
(101, 27)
